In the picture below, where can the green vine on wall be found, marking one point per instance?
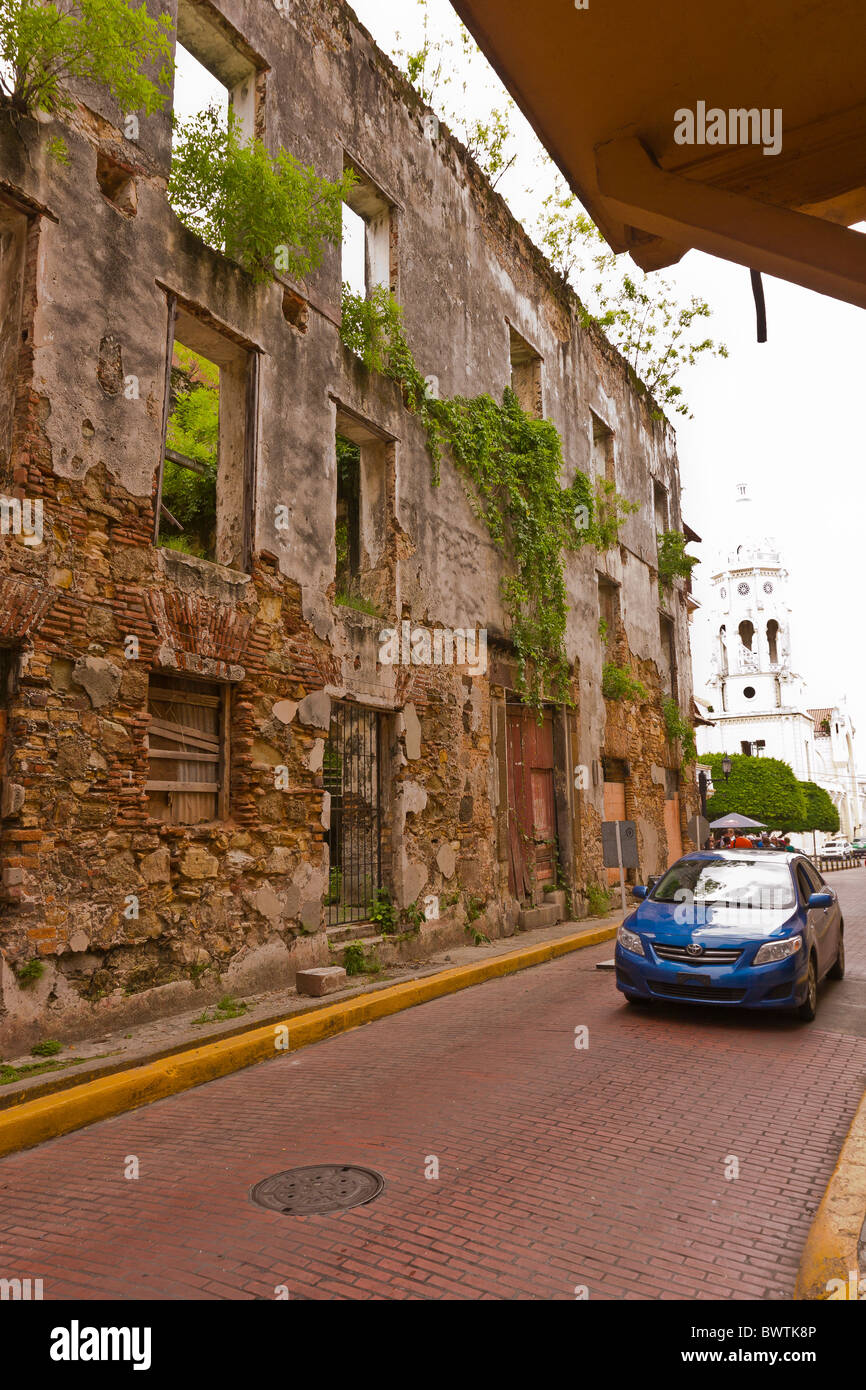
(678, 727)
(511, 464)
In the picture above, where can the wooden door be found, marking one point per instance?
(614, 809)
(532, 843)
(672, 829)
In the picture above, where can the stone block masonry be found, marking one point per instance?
(186, 808)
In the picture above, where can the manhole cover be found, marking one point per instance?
(325, 1187)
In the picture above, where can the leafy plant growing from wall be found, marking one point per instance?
(45, 46)
(674, 563)
(618, 683)
(269, 213)
(677, 727)
(511, 465)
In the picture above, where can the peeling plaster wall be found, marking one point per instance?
(241, 901)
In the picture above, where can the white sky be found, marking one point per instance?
(785, 416)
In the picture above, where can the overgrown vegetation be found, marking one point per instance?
(383, 912)
(618, 683)
(511, 465)
(193, 430)
(679, 728)
(357, 962)
(45, 46)
(267, 212)
(226, 1008)
(598, 900)
(674, 563)
(31, 971)
(48, 1048)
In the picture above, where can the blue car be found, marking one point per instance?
(755, 929)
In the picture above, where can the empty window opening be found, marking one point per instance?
(526, 375)
(215, 69)
(603, 460)
(660, 507)
(351, 774)
(13, 252)
(747, 633)
(669, 657)
(354, 252)
(369, 244)
(205, 488)
(364, 579)
(608, 610)
(773, 641)
(188, 758)
(348, 530)
(746, 749)
(117, 184)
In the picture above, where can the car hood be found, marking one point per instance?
(729, 926)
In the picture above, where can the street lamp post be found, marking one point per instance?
(726, 766)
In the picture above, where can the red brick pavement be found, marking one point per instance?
(558, 1167)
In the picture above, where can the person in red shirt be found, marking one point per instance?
(740, 842)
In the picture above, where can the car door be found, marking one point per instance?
(821, 919)
(833, 921)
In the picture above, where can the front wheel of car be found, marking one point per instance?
(809, 1007)
(837, 969)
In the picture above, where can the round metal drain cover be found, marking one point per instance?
(311, 1191)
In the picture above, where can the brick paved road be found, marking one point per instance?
(558, 1167)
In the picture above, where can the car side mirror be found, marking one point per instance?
(820, 900)
(639, 891)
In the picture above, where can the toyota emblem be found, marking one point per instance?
(694, 950)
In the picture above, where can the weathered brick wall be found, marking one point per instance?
(238, 904)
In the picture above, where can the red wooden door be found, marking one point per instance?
(531, 803)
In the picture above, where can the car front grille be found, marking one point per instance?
(712, 993)
(711, 955)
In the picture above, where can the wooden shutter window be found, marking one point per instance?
(187, 751)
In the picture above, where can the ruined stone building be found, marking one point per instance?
(131, 670)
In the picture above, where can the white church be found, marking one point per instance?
(750, 688)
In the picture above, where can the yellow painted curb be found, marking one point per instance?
(832, 1266)
(49, 1116)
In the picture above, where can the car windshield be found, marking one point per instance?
(741, 883)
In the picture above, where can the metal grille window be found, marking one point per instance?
(188, 751)
(351, 775)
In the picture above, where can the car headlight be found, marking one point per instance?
(778, 950)
(630, 941)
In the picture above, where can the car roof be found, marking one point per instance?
(738, 855)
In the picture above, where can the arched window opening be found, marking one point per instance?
(773, 641)
(747, 633)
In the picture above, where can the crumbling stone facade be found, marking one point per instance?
(133, 914)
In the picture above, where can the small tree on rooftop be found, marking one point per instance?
(45, 46)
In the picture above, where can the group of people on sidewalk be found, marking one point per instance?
(738, 839)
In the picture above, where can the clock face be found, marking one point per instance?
(768, 588)
(742, 589)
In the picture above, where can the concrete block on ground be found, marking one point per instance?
(322, 979)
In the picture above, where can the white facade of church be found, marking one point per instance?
(753, 694)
